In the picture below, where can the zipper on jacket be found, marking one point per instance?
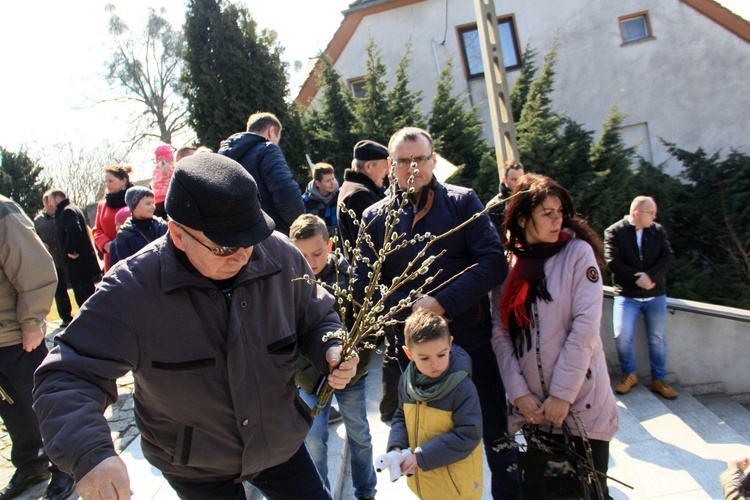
(416, 437)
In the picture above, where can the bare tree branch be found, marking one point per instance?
(146, 70)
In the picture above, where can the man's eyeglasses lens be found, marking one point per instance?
(218, 251)
(405, 162)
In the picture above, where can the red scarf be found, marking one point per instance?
(525, 284)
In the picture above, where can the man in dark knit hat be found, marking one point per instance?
(363, 186)
(210, 320)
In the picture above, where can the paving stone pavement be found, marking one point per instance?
(120, 416)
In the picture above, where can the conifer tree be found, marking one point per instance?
(373, 119)
(19, 180)
(403, 105)
(538, 128)
(520, 91)
(457, 130)
(329, 128)
(611, 189)
(233, 69)
(571, 167)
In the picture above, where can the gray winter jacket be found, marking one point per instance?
(214, 372)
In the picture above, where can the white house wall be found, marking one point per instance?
(687, 86)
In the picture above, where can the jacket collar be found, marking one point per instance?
(238, 144)
(174, 275)
(61, 206)
(360, 178)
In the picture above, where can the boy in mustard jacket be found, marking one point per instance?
(438, 416)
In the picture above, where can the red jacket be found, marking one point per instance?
(104, 229)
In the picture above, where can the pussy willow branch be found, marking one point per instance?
(370, 317)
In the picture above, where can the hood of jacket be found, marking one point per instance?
(314, 193)
(238, 144)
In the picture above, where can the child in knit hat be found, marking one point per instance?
(141, 228)
(162, 174)
(120, 217)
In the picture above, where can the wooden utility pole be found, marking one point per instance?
(501, 113)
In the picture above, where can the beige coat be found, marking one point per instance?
(27, 275)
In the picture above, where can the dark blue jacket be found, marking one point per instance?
(135, 234)
(280, 196)
(465, 298)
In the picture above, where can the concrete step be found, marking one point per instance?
(670, 448)
(729, 411)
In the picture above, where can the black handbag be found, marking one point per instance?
(552, 470)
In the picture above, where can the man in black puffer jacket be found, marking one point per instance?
(258, 151)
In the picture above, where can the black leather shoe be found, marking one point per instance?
(22, 482)
(60, 487)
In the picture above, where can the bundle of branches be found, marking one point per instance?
(558, 469)
(370, 314)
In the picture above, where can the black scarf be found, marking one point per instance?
(115, 200)
(526, 283)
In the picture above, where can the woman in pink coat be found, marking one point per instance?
(117, 180)
(550, 309)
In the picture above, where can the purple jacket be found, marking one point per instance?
(573, 362)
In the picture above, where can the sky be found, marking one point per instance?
(53, 54)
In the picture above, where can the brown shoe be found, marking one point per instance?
(627, 382)
(662, 388)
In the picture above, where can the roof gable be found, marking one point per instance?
(722, 16)
(358, 9)
(352, 18)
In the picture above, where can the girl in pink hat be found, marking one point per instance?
(162, 174)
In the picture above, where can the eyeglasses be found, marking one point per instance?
(218, 251)
(648, 213)
(419, 160)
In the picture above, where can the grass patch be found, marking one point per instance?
(53, 317)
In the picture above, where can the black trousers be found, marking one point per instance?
(492, 400)
(17, 379)
(297, 478)
(62, 299)
(391, 377)
(83, 288)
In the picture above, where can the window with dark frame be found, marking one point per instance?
(357, 86)
(635, 27)
(472, 54)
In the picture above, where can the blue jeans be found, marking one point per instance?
(353, 409)
(624, 316)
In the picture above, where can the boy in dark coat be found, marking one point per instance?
(141, 228)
